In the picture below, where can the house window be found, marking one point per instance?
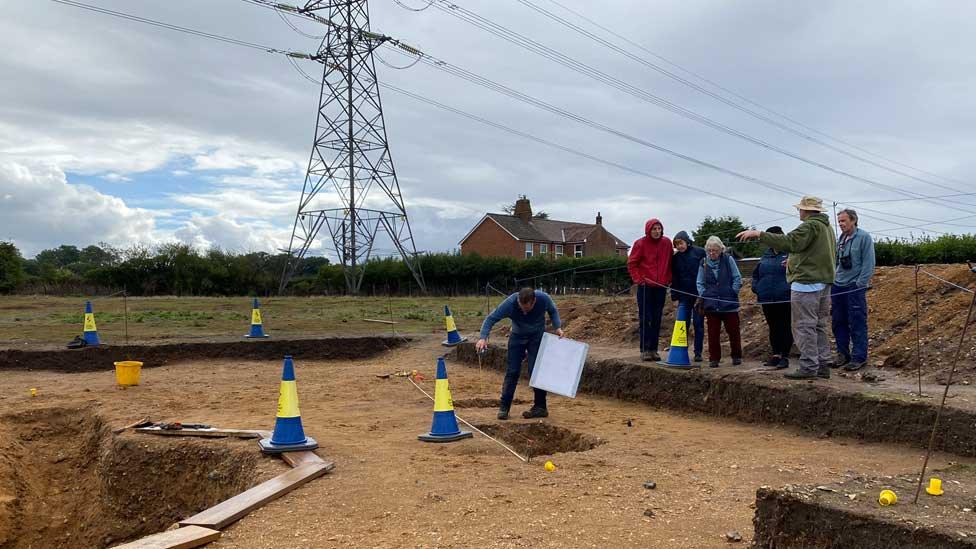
(578, 250)
(528, 249)
(543, 249)
(559, 250)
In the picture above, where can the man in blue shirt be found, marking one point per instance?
(848, 295)
(527, 310)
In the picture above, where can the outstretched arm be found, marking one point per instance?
(503, 310)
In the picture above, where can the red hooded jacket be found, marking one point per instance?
(650, 259)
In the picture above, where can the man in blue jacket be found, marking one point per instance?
(773, 292)
(684, 273)
(527, 310)
(848, 295)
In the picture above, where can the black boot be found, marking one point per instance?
(535, 412)
(503, 410)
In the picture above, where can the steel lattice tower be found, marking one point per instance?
(351, 154)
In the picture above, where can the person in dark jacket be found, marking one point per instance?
(773, 291)
(649, 265)
(718, 285)
(684, 290)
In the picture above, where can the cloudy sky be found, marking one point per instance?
(116, 131)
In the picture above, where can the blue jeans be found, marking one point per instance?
(849, 316)
(518, 346)
(697, 320)
(650, 306)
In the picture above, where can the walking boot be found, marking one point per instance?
(655, 357)
(854, 366)
(824, 372)
(773, 361)
(713, 364)
(840, 360)
(646, 356)
(784, 363)
(534, 412)
(736, 361)
(504, 409)
(800, 374)
(698, 358)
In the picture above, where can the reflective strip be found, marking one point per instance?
(255, 316)
(442, 396)
(89, 322)
(449, 321)
(680, 336)
(288, 400)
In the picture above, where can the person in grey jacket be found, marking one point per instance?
(848, 295)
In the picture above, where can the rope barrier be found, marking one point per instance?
(963, 288)
(459, 418)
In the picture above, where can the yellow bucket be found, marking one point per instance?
(127, 372)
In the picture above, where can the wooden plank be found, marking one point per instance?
(228, 511)
(181, 538)
(212, 432)
(131, 425)
(301, 458)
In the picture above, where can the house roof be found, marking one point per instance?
(544, 230)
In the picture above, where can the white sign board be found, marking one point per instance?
(559, 365)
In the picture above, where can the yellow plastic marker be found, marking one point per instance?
(33, 392)
(935, 487)
(550, 466)
(887, 498)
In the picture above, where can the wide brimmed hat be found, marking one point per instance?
(811, 204)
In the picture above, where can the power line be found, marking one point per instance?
(718, 97)
(538, 103)
(587, 70)
(169, 26)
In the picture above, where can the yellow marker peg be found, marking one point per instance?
(887, 498)
(935, 487)
(550, 466)
(33, 392)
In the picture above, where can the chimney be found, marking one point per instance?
(523, 210)
(599, 219)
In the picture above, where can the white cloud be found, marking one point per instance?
(41, 209)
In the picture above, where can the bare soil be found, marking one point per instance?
(67, 481)
(390, 490)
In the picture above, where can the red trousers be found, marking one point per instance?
(715, 321)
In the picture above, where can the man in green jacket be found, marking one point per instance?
(810, 270)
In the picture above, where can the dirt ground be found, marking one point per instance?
(390, 490)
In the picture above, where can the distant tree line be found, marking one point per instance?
(179, 269)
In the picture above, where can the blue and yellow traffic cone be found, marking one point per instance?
(453, 337)
(678, 354)
(91, 332)
(288, 434)
(444, 427)
(257, 329)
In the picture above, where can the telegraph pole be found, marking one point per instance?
(350, 154)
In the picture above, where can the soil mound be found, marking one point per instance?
(891, 320)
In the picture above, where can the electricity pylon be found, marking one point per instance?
(351, 154)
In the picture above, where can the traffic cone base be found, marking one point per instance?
(90, 331)
(288, 436)
(678, 353)
(453, 337)
(257, 327)
(444, 427)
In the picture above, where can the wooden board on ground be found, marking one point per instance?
(211, 432)
(229, 511)
(181, 538)
(301, 458)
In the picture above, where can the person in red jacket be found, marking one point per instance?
(649, 265)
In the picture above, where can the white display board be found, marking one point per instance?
(559, 365)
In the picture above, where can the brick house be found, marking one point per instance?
(522, 236)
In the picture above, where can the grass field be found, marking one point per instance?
(26, 320)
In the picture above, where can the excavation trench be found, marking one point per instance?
(67, 481)
(541, 439)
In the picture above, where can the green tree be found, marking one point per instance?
(11, 267)
(510, 210)
(726, 227)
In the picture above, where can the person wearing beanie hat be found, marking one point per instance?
(684, 273)
(773, 292)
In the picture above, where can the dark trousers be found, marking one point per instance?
(780, 328)
(849, 320)
(650, 306)
(715, 321)
(698, 321)
(518, 347)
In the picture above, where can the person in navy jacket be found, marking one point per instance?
(718, 285)
(684, 274)
(773, 291)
